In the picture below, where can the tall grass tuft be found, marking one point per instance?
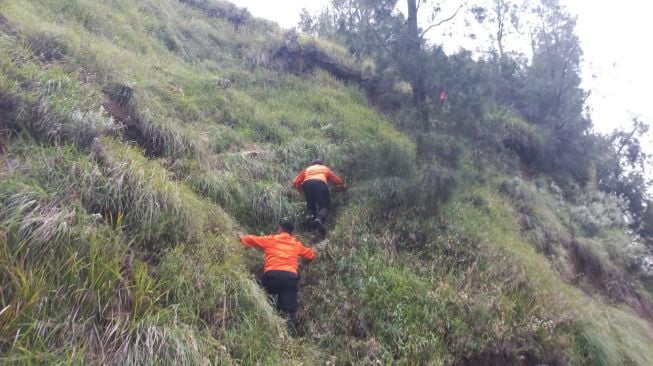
(155, 210)
(109, 256)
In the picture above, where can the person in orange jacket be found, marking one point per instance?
(280, 278)
(313, 181)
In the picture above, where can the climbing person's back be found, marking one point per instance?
(313, 181)
(280, 278)
(318, 172)
(282, 251)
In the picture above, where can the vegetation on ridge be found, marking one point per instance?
(138, 136)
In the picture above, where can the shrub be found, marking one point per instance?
(437, 184)
(525, 140)
(597, 212)
(47, 48)
(382, 158)
(446, 149)
(163, 138)
(386, 193)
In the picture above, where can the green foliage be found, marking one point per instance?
(154, 210)
(48, 103)
(207, 283)
(116, 249)
(602, 342)
(647, 221)
(600, 212)
(333, 49)
(621, 169)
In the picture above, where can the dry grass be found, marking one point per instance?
(112, 257)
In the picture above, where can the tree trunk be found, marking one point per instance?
(414, 70)
(500, 8)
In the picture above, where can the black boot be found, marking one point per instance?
(319, 225)
(291, 323)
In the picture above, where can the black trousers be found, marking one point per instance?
(283, 285)
(317, 198)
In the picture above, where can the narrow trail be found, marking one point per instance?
(311, 276)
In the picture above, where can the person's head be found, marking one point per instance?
(286, 227)
(317, 162)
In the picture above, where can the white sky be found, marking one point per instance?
(617, 63)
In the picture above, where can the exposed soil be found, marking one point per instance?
(127, 118)
(607, 281)
(118, 104)
(299, 59)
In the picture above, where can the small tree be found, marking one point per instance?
(622, 171)
(375, 28)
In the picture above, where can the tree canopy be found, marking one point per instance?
(540, 84)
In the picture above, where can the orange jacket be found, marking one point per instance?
(282, 251)
(316, 171)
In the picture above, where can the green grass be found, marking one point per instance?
(123, 252)
(153, 273)
(605, 333)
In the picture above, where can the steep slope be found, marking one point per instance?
(138, 136)
(124, 121)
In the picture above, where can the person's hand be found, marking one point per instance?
(341, 188)
(240, 235)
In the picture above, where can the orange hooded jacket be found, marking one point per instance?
(316, 171)
(282, 251)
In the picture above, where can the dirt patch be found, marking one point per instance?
(295, 58)
(118, 112)
(132, 130)
(8, 107)
(609, 282)
(491, 356)
(118, 104)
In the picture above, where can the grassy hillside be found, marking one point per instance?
(138, 136)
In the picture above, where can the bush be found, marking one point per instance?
(446, 149)
(598, 212)
(525, 140)
(437, 184)
(47, 48)
(383, 158)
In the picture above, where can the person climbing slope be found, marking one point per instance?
(313, 181)
(280, 278)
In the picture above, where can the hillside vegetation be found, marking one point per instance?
(136, 138)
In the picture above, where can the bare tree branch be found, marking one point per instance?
(383, 44)
(442, 21)
(626, 140)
